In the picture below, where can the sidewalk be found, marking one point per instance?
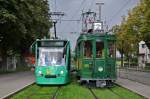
(139, 88)
(11, 83)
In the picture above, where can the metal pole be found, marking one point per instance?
(100, 13)
(100, 4)
(54, 22)
(122, 53)
(55, 29)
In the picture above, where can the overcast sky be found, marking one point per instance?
(112, 10)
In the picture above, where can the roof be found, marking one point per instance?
(50, 40)
(87, 36)
(141, 42)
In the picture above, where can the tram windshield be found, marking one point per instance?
(51, 57)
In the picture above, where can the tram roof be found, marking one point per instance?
(53, 40)
(86, 36)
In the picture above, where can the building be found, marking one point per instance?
(144, 54)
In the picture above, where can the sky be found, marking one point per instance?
(112, 12)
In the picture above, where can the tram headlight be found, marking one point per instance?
(61, 72)
(40, 72)
(100, 69)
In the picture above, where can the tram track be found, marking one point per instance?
(54, 96)
(115, 93)
(32, 94)
(92, 92)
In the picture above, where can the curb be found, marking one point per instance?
(132, 90)
(16, 91)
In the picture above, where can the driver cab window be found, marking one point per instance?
(87, 49)
(51, 57)
(100, 49)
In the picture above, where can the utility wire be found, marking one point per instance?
(74, 14)
(55, 5)
(112, 17)
(92, 3)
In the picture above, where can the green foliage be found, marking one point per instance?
(134, 28)
(21, 22)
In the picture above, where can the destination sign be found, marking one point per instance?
(52, 43)
(98, 26)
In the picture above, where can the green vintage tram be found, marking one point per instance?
(95, 59)
(52, 61)
(95, 53)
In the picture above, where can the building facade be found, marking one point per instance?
(144, 54)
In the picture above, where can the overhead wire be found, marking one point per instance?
(75, 14)
(92, 3)
(55, 6)
(114, 15)
(81, 5)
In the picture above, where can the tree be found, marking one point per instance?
(134, 28)
(21, 22)
(145, 28)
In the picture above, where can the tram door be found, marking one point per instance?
(88, 62)
(111, 59)
(99, 59)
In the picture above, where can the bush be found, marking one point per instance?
(147, 64)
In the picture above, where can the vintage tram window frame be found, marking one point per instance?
(101, 52)
(85, 54)
(109, 50)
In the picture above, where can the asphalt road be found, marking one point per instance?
(13, 82)
(138, 76)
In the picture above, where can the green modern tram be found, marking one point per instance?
(52, 61)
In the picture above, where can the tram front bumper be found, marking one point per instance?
(52, 79)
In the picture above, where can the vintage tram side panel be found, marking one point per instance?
(107, 72)
(87, 59)
(96, 68)
(99, 57)
(111, 57)
(79, 56)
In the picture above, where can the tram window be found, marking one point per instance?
(51, 57)
(88, 49)
(100, 49)
(111, 48)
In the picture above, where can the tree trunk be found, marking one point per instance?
(4, 62)
(4, 59)
(122, 55)
(121, 59)
(128, 60)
